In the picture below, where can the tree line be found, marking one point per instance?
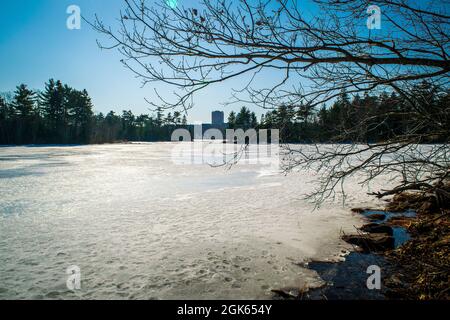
(371, 118)
(64, 115)
(363, 119)
(61, 114)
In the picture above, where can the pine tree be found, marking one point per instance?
(4, 121)
(113, 127)
(243, 118)
(253, 120)
(176, 117)
(23, 110)
(169, 119)
(128, 125)
(54, 108)
(159, 117)
(232, 120)
(80, 115)
(23, 103)
(4, 112)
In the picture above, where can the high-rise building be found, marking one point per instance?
(217, 118)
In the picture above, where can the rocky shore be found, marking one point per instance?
(409, 240)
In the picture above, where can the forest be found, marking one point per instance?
(61, 114)
(370, 118)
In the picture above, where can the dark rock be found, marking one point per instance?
(377, 216)
(371, 242)
(377, 228)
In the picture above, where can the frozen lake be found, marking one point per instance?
(141, 227)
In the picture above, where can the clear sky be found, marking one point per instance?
(35, 45)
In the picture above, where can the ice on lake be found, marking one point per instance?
(140, 226)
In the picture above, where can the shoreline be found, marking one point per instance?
(409, 240)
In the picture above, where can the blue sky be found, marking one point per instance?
(35, 45)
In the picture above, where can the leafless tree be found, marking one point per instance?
(306, 55)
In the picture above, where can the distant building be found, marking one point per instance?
(217, 122)
(217, 118)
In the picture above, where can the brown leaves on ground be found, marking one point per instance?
(424, 262)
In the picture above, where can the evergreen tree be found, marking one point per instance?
(80, 114)
(232, 120)
(24, 100)
(253, 120)
(169, 119)
(243, 119)
(53, 102)
(4, 121)
(159, 117)
(184, 120)
(128, 125)
(113, 124)
(176, 117)
(4, 112)
(24, 115)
